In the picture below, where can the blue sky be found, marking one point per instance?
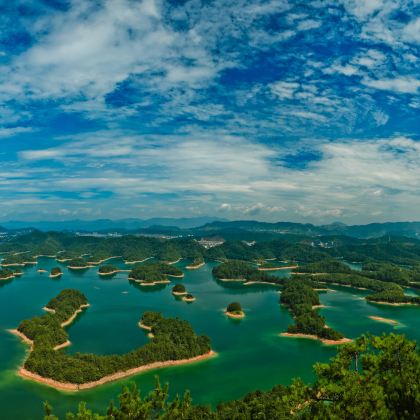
(270, 110)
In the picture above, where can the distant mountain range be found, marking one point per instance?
(108, 225)
(211, 226)
(372, 230)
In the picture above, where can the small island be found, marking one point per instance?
(6, 274)
(78, 264)
(107, 270)
(179, 290)
(196, 264)
(173, 342)
(242, 271)
(55, 272)
(234, 310)
(189, 298)
(42, 270)
(150, 274)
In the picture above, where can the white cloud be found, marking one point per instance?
(411, 32)
(309, 24)
(9, 132)
(398, 84)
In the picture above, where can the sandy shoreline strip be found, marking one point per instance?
(195, 267)
(277, 268)
(12, 276)
(249, 283)
(109, 273)
(73, 317)
(137, 262)
(110, 378)
(315, 337)
(176, 276)
(235, 316)
(392, 303)
(385, 320)
(52, 276)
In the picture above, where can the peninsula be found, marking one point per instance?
(173, 343)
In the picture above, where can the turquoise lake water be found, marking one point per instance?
(251, 354)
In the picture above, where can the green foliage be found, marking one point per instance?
(153, 271)
(179, 288)
(325, 266)
(387, 272)
(46, 330)
(234, 307)
(372, 378)
(299, 297)
(56, 270)
(78, 263)
(5, 273)
(243, 270)
(173, 340)
(107, 268)
(151, 318)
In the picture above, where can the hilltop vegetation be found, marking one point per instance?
(173, 339)
(46, 331)
(374, 377)
(243, 270)
(299, 297)
(152, 272)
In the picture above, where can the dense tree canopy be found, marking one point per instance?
(372, 378)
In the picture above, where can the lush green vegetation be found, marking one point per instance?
(78, 263)
(6, 273)
(18, 259)
(234, 308)
(173, 340)
(151, 318)
(374, 377)
(197, 261)
(46, 330)
(324, 266)
(387, 272)
(384, 291)
(299, 297)
(107, 269)
(151, 272)
(56, 271)
(243, 270)
(179, 288)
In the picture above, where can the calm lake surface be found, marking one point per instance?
(251, 354)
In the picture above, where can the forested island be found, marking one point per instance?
(236, 270)
(56, 272)
(179, 290)
(107, 270)
(174, 342)
(6, 274)
(78, 264)
(377, 375)
(154, 273)
(234, 310)
(300, 298)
